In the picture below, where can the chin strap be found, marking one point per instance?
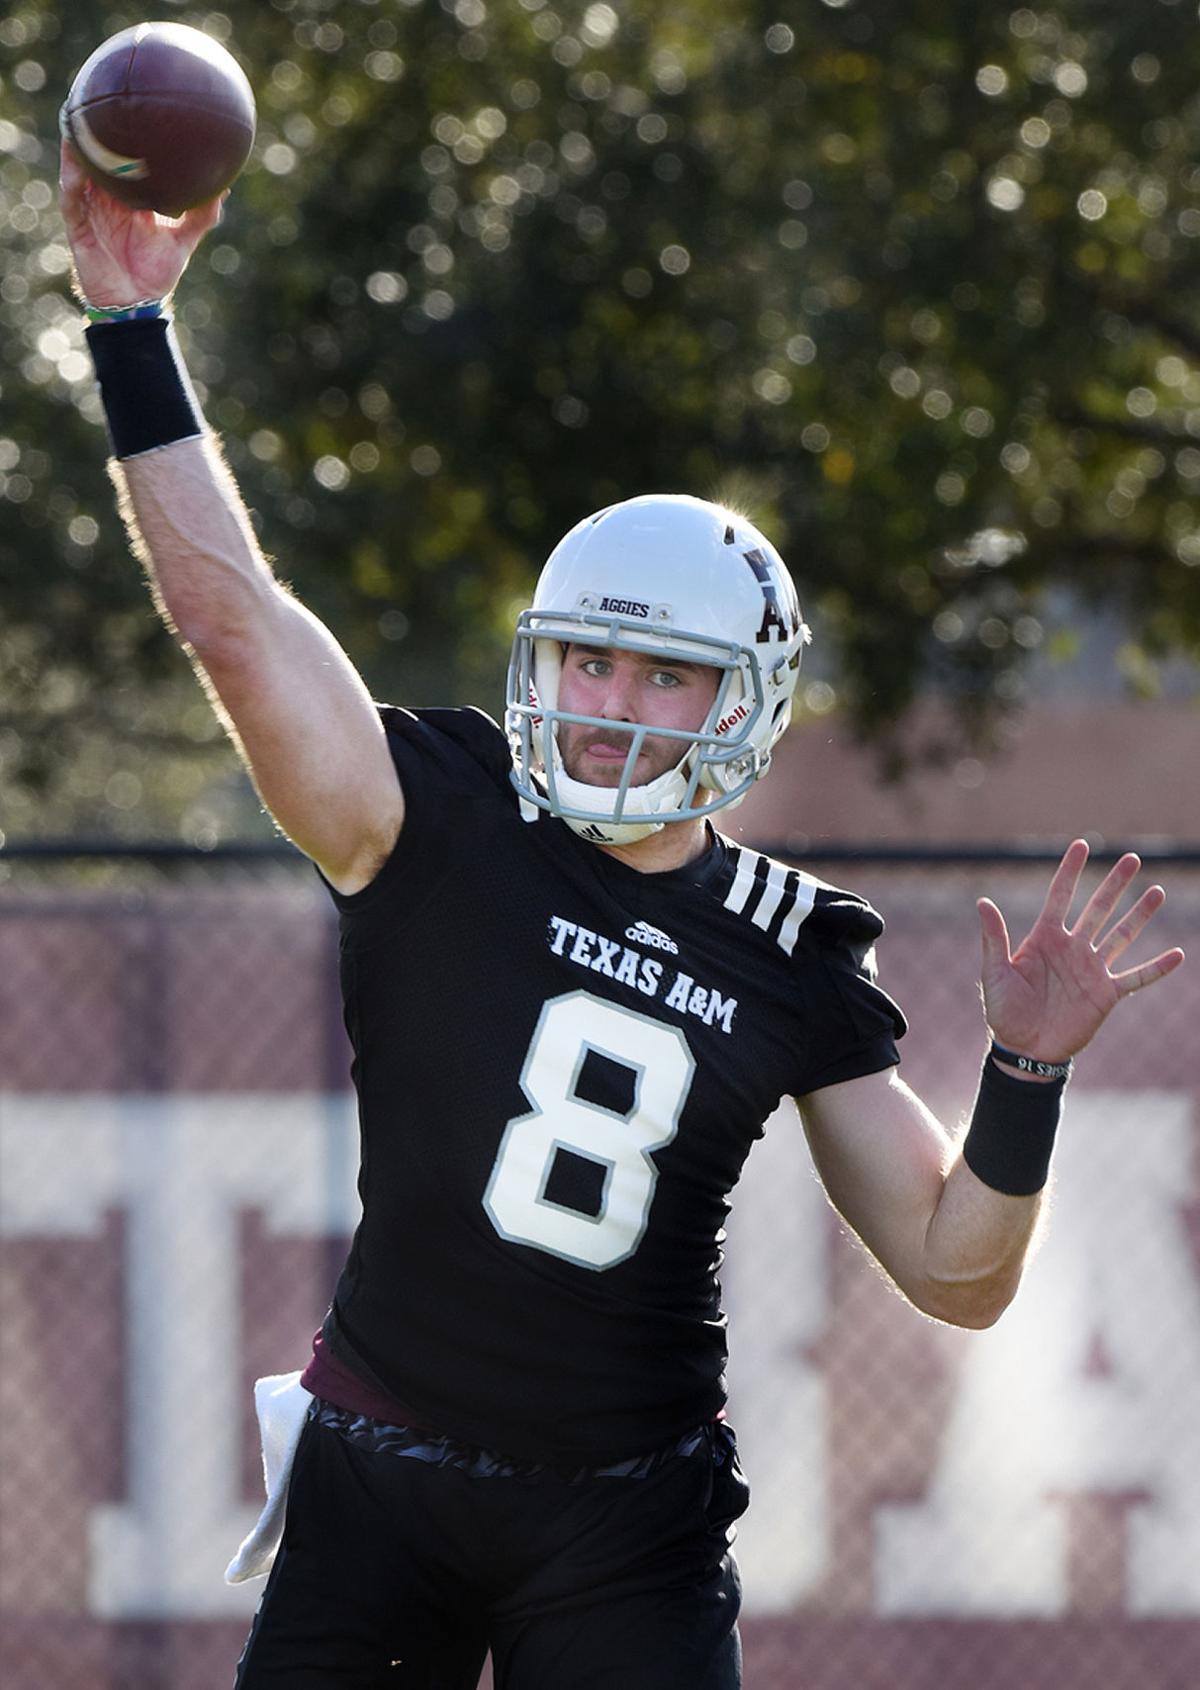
(638, 822)
(612, 833)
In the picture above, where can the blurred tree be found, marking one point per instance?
(919, 286)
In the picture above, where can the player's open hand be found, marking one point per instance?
(121, 255)
(1049, 997)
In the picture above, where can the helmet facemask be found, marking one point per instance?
(717, 763)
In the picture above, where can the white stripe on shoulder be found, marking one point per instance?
(772, 894)
(743, 880)
(806, 897)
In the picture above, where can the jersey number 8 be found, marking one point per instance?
(661, 1065)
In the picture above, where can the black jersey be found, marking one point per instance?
(562, 1064)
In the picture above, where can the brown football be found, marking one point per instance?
(162, 116)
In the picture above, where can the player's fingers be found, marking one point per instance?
(1135, 978)
(1131, 924)
(993, 932)
(72, 179)
(1107, 896)
(1062, 888)
(196, 223)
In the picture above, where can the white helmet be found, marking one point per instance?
(674, 577)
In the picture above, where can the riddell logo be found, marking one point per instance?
(733, 718)
(625, 607)
(643, 934)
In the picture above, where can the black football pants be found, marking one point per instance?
(397, 1575)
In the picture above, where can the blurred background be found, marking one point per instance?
(919, 289)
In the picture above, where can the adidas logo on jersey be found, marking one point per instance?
(643, 934)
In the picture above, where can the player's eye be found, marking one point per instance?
(597, 667)
(665, 678)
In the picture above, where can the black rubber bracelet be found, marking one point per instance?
(1011, 1137)
(1032, 1064)
(147, 395)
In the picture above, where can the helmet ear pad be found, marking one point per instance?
(737, 702)
(547, 675)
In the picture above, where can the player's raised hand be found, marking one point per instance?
(1049, 997)
(121, 255)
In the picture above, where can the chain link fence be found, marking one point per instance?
(1017, 1509)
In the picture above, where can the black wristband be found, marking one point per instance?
(148, 398)
(1011, 1136)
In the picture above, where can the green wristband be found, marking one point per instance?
(124, 313)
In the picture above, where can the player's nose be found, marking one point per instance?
(619, 696)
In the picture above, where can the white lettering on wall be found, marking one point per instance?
(1074, 1390)
(180, 1167)
(1090, 1384)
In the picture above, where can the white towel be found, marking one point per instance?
(281, 1403)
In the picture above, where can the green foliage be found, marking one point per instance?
(918, 285)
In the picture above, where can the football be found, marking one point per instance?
(162, 116)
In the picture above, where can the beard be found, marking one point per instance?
(583, 755)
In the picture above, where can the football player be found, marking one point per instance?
(573, 1004)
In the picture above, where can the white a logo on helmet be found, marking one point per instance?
(682, 580)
